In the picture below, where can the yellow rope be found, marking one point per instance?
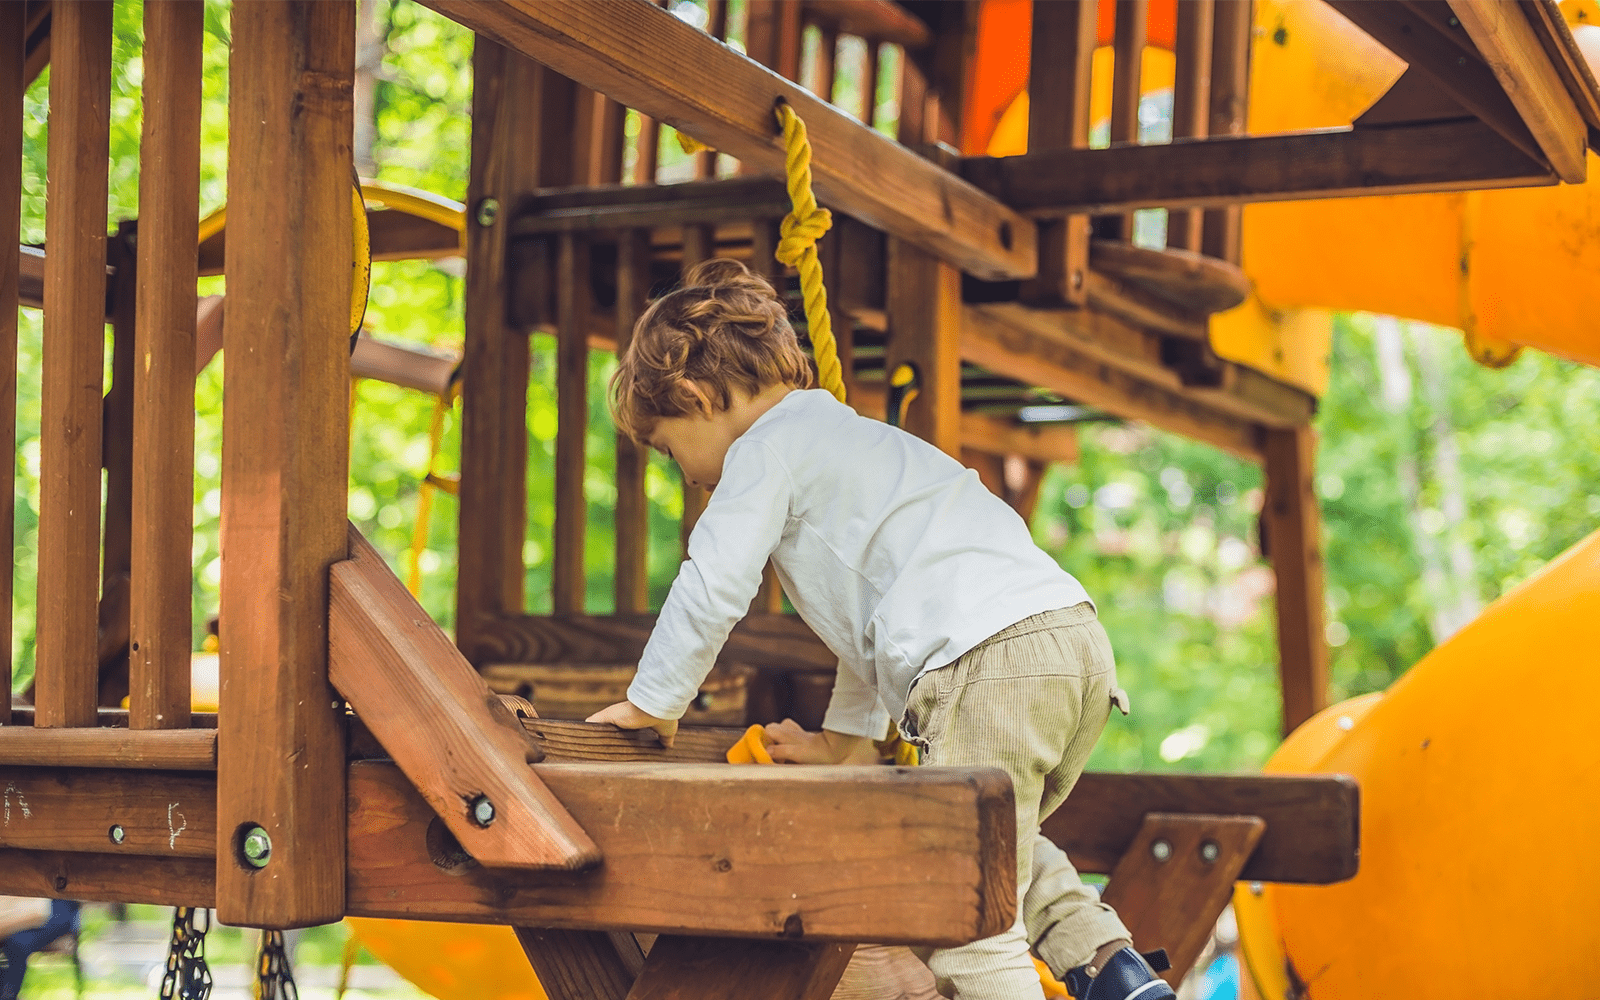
(797, 248)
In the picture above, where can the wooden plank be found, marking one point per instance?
(775, 641)
(613, 207)
(725, 100)
(699, 968)
(713, 849)
(1191, 103)
(822, 67)
(1232, 29)
(108, 878)
(122, 812)
(457, 744)
(1518, 60)
(1335, 163)
(1043, 442)
(1292, 527)
(772, 36)
(572, 423)
(163, 418)
(874, 20)
(1127, 51)
(632, 574)
(13, 41)
(576, 965)
(73, 351)
(1176, 877)
(116, 456)
(567, 741)
(1061, 66)
(925, 329)
(165, 750)
(492, 504)
(287, 384)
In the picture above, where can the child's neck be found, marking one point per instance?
(743, 411)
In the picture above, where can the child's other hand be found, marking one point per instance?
(788, 743)
(627, 715)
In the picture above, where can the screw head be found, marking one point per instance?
(482, 810)
(1257, 888)
(257, 847)
(488, 211)
(1210, 851)
(1161, 850)
(117, 833)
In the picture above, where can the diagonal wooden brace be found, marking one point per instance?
(704, 968)
(465, 752)
(1175, 878)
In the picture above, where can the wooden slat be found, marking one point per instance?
(163, 418)
(109, 878)
(170, 750)
(725, 100)
(778, 641)
(1233, 27)
(116, 456)
(698, 968)
(72, 358)
(13, 25)
(394, 235)
(822, 69)
(1293, 532)
(703, 202)
(632, 576)
(1191, 103)
(874, 20)
(1060, 74)
(566, 741)
(286, 408)
(60, 809)
(572, 423)
(713, 849)
(492, 504)
(925, 329)
(699, 245)
(869, 85)
(1127, 48)
(772, 36)
(455, 742)
(1044, 442)
(1337, 163)
(576, 965)
(1517, 59)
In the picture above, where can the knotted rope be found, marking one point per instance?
(797, 247)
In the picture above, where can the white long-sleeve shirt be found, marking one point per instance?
(894, 553)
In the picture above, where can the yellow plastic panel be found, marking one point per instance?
(452, 961)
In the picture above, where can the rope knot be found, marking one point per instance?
(797, 247)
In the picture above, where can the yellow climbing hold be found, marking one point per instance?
(797, 248)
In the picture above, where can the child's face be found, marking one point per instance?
(698, 443)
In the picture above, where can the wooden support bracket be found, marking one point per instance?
(465, 752)
(698, 968)
(582, 965)
(1175, 878)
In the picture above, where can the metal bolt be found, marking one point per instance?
(1257, 888)
(1161, 850)
(118, 835)
(482, 810)
(1209, 851)
(1461, 60)
(257, 847)
(488, 211)
(1455, 23)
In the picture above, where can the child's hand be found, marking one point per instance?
(790, 744)
(627, 715)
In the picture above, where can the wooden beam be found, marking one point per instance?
(1555, 35)
(109, 878)
(164, 750)
(1293, 531)
(567, 581)
(13, 43)
(123, 812)
(612, 207)
(67, 685)
(161, 616)
(723, 99)
(1518, 60)
(699, 968)
(777, 641)
(1336, 163)
(874, 20)
(925, 327)
(457, 744)
(578, 965)
(281, 751)
(1060, 73)
(1041, 442)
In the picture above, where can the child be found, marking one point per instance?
(927, 586)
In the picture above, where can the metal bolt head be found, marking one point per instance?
(1161, 850)
(257, 847)
(488, 211)
(482, 810)
(1210, 851)
(1257, 888)
(117, 833)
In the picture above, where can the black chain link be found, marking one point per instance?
(187, 976)
(274, 980)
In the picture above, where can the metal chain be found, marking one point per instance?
(274, 980)
(187, 976)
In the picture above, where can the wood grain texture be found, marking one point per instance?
(72, 360)
(1545, 16)
(572, 423)
(451, 736)
(874, 20)
(701, 202)
(285, 454)
(1043, 442)
(83, 810)
(167, 750)
(1191, 103)
(699, 968)
(567, 741)
(1293, 528)
(576, 965)
(712, 849)
(925, 329)
(1232, 28)
(163, 416)
(13, 45)
(632, 575)
(762, 639)
(886, 972)
(108, 877)
(1060, 65)
(1127, 64)
(647, 59)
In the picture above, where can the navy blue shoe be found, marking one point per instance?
(1126, 976)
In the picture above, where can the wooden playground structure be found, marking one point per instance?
(359, 763)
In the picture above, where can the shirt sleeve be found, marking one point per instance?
(728, 549)
(854, 709)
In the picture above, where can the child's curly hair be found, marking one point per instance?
(723, 328)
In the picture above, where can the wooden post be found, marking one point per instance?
(632, 578)
(572, 422)
(280, 755)
(1059, 78)
(822, 68)
(699, 244)
(924, 317)
(70, 404)
(13, 45)
(1293, 529)
(1230, 82)
(116, 456)
(1127, 68)
(869, 83)
(1191, 103)
(506, 92)
(163, 419)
